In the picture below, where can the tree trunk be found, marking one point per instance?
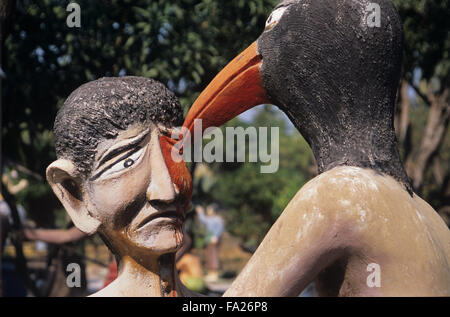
(433, 136)
(401, 120)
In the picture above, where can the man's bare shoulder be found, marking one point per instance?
(364, 200)
(354, 194)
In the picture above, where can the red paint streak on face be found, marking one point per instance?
(178, 170)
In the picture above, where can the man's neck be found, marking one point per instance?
(149, 277)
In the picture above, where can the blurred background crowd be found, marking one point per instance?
(182, 43)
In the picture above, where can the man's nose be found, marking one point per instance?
(161, 190)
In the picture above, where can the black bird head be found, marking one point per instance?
(333, 67)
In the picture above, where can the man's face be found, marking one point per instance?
(137, 192)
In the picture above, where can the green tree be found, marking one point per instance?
(422, 121)
(182, 43)
(252, 200)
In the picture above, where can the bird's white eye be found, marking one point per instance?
(274, 18)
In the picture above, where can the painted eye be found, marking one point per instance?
(125, 163)
(128, 163)
(274, 18)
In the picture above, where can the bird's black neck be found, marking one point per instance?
(355, 143)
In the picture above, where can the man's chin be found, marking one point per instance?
(166, 239)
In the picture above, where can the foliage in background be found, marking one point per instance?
(253, 200)
(422, 121)
(427, 42)
(184, 43)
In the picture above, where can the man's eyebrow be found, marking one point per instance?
(114, 152)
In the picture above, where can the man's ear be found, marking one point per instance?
(62, 177)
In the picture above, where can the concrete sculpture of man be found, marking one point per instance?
(114, 175)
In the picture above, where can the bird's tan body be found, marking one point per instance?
(336, 226)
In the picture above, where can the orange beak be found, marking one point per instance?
(237, 88)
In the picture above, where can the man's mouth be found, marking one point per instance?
(174, 215)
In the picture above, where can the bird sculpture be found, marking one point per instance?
(358, 228)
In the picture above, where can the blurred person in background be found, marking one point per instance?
(54, 236)
(4, 222)
(12, 283)
(189, 266)
(215, 227)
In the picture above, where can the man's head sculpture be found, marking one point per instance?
(114, 173)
